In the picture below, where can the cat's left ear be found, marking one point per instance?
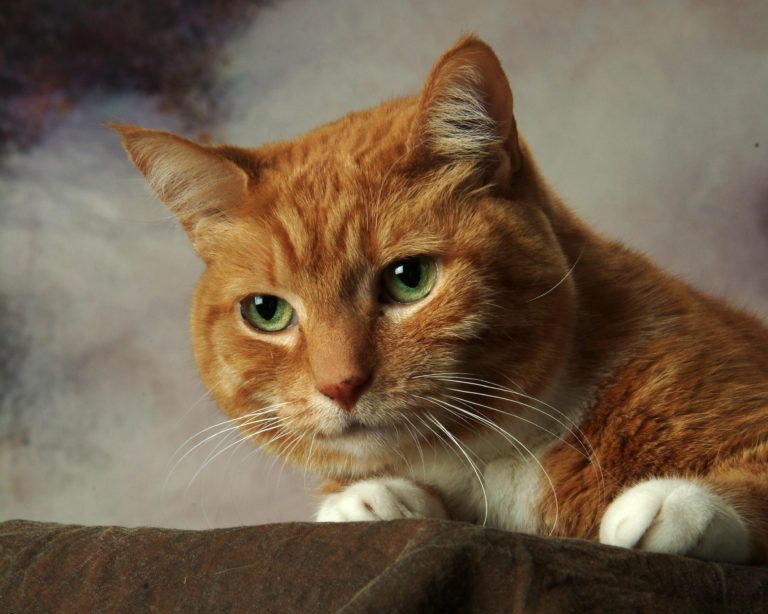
(196, 184)
(465, 113)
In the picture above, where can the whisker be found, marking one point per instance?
(297, 440)
(263, 446)
(244, 438)
(481, 383)
(513, 440)
(535, 298)
(309, 458)
(575, 430)
(229, 429)
(489, 385)
(583, 452)
(229, 421)
(207, 393)
(472, 464)
(441, 438)
(288, 440)
(190, 439)
(413, 434)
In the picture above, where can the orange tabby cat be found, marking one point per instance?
(398, 302)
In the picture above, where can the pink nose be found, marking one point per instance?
(347, 392)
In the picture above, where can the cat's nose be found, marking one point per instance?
(347, 392)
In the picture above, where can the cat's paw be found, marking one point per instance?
(678, 517)
(380, 499)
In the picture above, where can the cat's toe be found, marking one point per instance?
(380, 499)
(678, 517)
(628, 518)
(348, 505)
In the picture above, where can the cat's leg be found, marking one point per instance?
(381, 499)
(677, 516)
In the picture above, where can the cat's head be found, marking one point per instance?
(358, 275)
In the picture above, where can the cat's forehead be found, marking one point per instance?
(345, 212)
(338, 201)
(333, 180)
(330, 228)
(335, 197)
(367, 142)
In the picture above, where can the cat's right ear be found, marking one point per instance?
(196, 184)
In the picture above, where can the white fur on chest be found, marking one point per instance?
(506, 487)
(505, 493)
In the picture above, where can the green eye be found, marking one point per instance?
(410, 280)
(266, 312)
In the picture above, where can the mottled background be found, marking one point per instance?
(649, 118)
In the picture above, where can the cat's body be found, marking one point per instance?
(535, 376)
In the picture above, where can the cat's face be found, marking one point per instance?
(355, 275)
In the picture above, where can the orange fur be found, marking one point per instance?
(674, 383)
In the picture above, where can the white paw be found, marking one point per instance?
(678, 517)
(380, 499)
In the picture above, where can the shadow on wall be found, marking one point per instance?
(53, 52)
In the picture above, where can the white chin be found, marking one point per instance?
(363, 442)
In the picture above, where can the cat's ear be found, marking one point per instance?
(195, 183)
(465, 113)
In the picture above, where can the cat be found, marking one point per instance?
(398, 303)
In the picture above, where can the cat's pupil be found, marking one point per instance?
(266, 305)
(408, 272)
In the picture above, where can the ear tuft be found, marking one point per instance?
(193, 181)
(465, 110)
(458, 124)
